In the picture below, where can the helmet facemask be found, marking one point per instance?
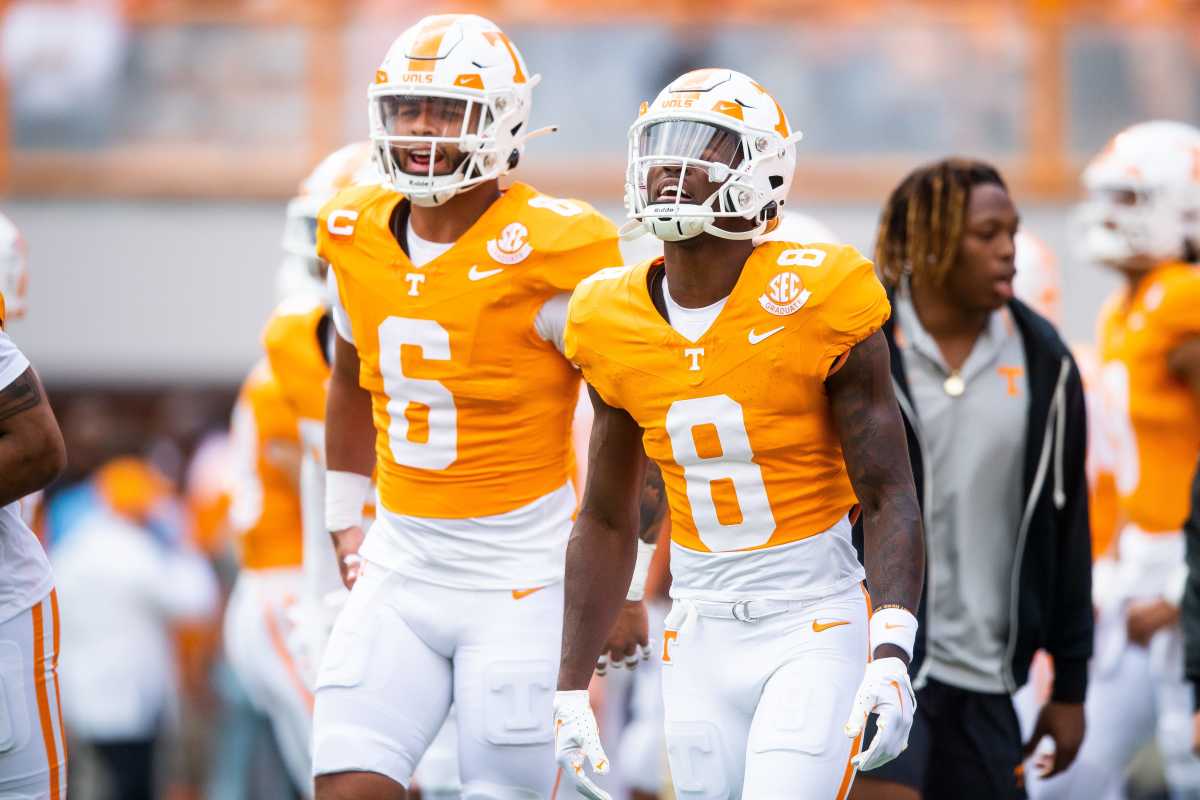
(432, 144)
(1118, 224)
(737, 168)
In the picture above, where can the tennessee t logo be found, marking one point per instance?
(694, 353)
(668, 637)
(415, 279)
(1012, 374)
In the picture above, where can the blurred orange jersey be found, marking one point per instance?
(292, 340)
(265, 511)
(739, 420)
(1153, 417)
(2, 310)
(472, 407)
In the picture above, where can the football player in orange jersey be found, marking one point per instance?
(1142, 219)
(33, 744)
(757, 379)
(448, 381)
(264, 514)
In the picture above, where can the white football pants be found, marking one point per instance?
(755, 709)
(403, 650)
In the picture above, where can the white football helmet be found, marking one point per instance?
(14, 275)
(302, 271)
(1038, 282)
(1143, 195)
(726, 124)
(460, 77)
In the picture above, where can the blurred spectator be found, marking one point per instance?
(125, 579)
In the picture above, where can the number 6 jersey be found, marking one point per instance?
(472, 404)
(738, 420)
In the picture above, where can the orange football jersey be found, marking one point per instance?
(1154, 419)
(2, 310)
(738, 421)
(265, 510)
(293, 347)
(472, 407)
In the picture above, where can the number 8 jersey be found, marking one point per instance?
(738, 420)
(472, 400)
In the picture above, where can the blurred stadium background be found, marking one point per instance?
(147, 149)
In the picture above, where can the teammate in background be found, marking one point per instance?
(757, 379)
(265, 517)
(1142, 218)
(1009, 558)
(1190, 609)
(448, 379)
(32, 455)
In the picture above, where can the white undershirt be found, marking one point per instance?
(691, 323)
(422, 251)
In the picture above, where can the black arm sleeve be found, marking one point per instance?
(1190, 612)
(1071, 627)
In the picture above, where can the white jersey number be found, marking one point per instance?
(439, 448)
(734, 465)
(1114, 378)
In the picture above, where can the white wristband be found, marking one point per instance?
(893, 625)
(345, 494)
(641, 569)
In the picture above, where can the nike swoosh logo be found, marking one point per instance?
(755, 338)
(519, 594)
(477, 274)
(819, 626)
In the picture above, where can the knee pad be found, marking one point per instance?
(518, 701)
(482, 790)
(696, 754)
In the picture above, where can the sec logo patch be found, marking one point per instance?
(511, 246)
(785, 294)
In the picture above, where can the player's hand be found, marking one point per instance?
(345, 545)
(885, 691)
(577, 741)
(1143, 620)
(1062, 722)
(628, 641)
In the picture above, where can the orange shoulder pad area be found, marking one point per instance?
(1172, 300)
(293, 348)
(339, 220)
(834, 281)
(2, 310)
(569, 238)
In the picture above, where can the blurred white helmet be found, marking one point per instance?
(1038, 283)
(460, 77)
(1143, 195)
(797, 227)
(727, 125)
(302, 270)
(14, 275)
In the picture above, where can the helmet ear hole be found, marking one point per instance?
(776, 181)
(514, 158)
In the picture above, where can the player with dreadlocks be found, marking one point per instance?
(995, 416)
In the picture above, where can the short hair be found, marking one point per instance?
(921, 226)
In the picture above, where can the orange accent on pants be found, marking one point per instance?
(281, 650)
(43, 699)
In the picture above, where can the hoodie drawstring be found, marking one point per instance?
(1060, 428)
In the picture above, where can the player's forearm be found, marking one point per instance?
(894, 548)
(349, 426)
(600, 558)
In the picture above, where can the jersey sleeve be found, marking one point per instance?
(337, 311)
(854, 305)
(574, 240)
(12, 361)
(581, 343)
(1177, 312)
(551, 320)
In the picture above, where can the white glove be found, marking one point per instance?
(885, 691)
(577, 740)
